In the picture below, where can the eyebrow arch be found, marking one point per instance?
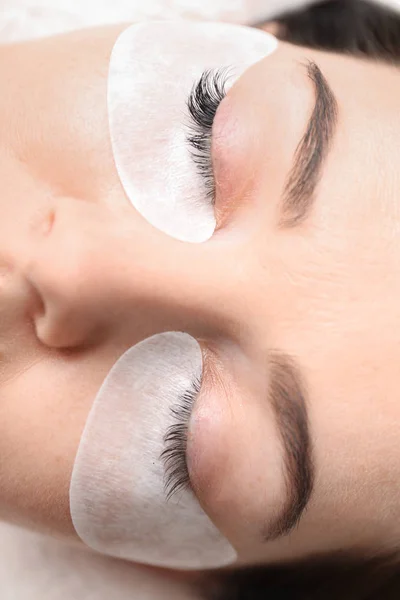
(288, 399)
(311, 153)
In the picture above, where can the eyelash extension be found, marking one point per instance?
(203, 102)
(175, 440)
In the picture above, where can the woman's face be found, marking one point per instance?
(294, 447)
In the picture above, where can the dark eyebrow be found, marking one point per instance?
(311, 153)
(287, 390)
(288, 398)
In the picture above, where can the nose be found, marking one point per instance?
(94, 270)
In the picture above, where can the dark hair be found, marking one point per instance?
(353, 27)
(363, 29)
(339, 576)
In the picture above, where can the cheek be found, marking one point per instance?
(43, 411)
(57, 123)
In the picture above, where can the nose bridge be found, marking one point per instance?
(92, 270)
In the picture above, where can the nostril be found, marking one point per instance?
(73, 271)
(64, 315)
(62, 318)
(37, 306)
(57, 329)
(59, 272)
(19, 301)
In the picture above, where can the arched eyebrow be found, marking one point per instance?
(311, 153)
(288, 399)
(287, 389)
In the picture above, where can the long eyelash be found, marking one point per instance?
(175, 440)
(203, 102)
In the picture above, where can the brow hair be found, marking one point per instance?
(288, 399)
(311, 152)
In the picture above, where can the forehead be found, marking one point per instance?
(318, 283)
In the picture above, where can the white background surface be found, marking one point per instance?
(23, 19)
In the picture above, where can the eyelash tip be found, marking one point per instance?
(176, 478)
(202, 104)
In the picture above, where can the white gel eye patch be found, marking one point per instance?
(118, 500)
(153, 69)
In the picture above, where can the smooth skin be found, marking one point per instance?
(84, 277)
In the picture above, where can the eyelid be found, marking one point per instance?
(216, 393)
(227, 159)
(174, 455)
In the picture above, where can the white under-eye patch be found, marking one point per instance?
(118, 499)
(153, 69)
